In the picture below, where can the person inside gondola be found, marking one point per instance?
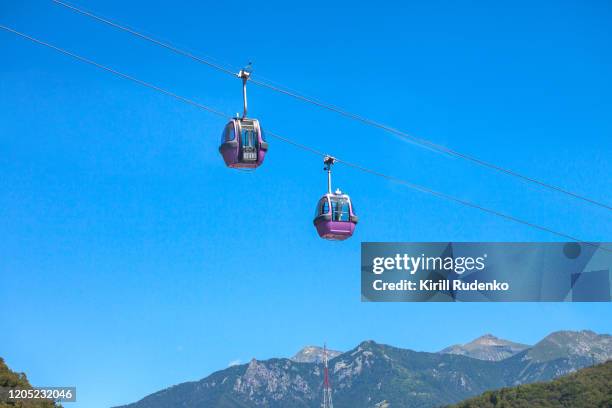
(339, 207)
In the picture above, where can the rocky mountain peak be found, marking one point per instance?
(488, 339)
(367, 344)
(313, 354)
(575, 344)
(487, 347)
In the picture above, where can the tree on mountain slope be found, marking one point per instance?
(588, 388)
(10, 379)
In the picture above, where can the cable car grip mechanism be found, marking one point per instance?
(329, 162)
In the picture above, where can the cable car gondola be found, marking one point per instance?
(334, 215)
(242, 142)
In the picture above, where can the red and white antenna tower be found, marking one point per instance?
(327, 390)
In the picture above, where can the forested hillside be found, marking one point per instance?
(588, 388)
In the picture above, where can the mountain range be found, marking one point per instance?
(374, 374)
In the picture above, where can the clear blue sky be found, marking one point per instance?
(132, 259)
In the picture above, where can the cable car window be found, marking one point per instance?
(228, 133)
(322, 207)
(340, 210)
(346, 215)
(249, 138)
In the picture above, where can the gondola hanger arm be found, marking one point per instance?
(244, 74)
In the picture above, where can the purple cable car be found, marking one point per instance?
(335, 218)
(242, 142)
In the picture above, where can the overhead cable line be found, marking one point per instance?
(345, 113)
(305, 147)
(159, 43)
(115, 72)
